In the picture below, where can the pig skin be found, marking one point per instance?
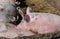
(40, 23)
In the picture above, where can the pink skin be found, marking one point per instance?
(40, 23)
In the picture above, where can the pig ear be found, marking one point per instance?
(27, 18)
(29, 10)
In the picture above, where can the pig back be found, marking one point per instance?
(45, 23)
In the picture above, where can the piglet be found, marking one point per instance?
(8, 14)
(39, 23)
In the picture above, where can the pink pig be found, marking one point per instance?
(39, 23)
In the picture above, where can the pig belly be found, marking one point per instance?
(45, 23)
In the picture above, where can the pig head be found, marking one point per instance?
(39, 23)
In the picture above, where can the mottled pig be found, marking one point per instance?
(8, 14)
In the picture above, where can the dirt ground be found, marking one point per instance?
(51, 6)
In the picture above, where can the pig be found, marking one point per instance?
(38, 22)
(8, 14)
(7, 10)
